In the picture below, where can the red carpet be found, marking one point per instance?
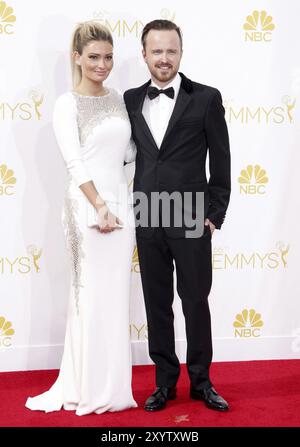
(260, 393)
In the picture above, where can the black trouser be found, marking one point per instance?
(194, 277)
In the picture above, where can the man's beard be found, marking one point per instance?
(163, 76)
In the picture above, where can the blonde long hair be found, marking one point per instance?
(83, 34)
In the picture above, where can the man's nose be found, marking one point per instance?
(164, 58)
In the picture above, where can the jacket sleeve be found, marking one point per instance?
(219, 185)
(67, 137)
(130, 154)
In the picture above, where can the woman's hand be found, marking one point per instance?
(107, 221)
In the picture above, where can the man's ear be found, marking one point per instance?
(144, 54)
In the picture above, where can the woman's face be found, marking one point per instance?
(96, 60)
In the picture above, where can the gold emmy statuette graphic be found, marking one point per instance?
(36, 254)
(38, 101)
(290, 105)
(283, 252)
(248, 324)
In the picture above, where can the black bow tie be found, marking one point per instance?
(153, 92)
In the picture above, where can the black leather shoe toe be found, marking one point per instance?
(157, 400)
(211, 398)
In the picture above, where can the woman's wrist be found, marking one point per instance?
(100, 206)
(100, 203)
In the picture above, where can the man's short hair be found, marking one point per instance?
(160, 25)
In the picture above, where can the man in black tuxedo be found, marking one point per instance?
(175, 122)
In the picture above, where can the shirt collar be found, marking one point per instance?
(175, 83)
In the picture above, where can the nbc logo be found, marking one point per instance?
(258, 27)
(252, 180)
(7, 19)
(7, 181)
(247, 324)
(135, 261)
(6, 331)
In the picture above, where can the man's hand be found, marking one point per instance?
(211, 225)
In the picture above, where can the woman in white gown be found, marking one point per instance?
(93, 133)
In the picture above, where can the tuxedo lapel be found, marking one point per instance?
(182, 101)
(140, 117)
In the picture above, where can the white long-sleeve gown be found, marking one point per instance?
(93, 134)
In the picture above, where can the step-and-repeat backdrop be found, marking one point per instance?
(250, 51)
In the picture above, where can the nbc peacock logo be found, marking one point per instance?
(7, 19)
(248, 324)
(6, 332)
(135, 266)
(7, 181)
(253, 180)
(258, 27)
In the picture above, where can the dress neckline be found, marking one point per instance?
(89, 96)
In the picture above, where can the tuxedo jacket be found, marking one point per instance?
(197, 126)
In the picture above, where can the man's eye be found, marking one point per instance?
(109, 58)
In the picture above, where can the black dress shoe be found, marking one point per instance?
(211, 398)
(157, 400)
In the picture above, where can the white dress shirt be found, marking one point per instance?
(157, 112)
